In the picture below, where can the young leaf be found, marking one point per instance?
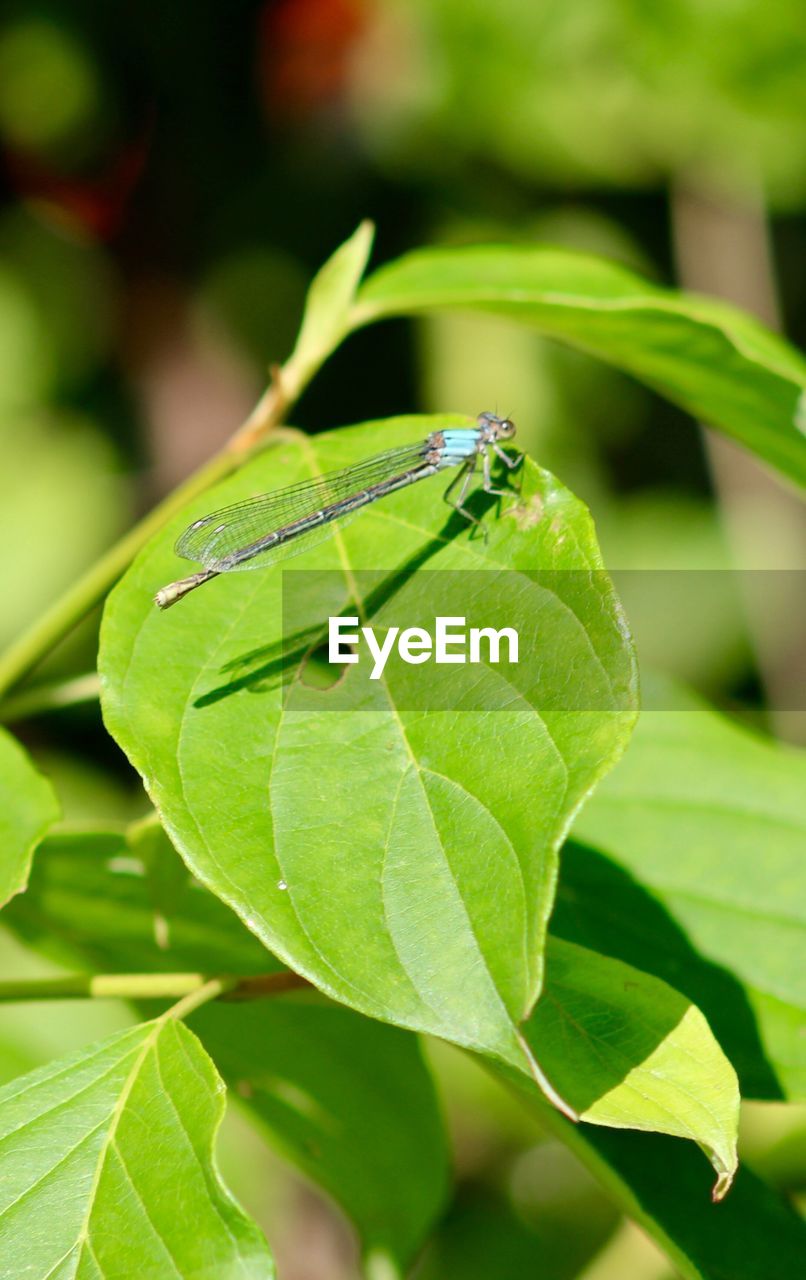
(326, 317)
(629, 1052)
(28, 807)
(718, 363)
(347, 1100)
(705, 826)
(107, 1166)
(341, 833)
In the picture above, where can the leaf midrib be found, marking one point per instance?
(393, 711)
(82, 1240)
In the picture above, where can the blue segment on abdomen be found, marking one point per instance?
(460, 443)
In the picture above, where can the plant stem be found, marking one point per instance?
(79, 599)
(267, 984)
(89, 590)
(51, 697)
(83, 986)
(184, 987)
(325, 323)
(202, 995)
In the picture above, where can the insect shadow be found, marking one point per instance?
(279, 663)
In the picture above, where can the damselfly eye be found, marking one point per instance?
(502, 428)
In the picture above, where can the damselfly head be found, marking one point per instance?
(496, 428)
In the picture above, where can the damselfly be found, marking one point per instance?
(273, 526)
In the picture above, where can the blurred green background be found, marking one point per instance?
(173, 175)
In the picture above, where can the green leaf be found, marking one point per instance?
(341, 834)
(718, 363)
(629, 1052)
(325, 321)
(704, 825)
(90, 894)
(28, 807)
(348, 1101)
(107, 1166)
(78, 881)
(166, 874)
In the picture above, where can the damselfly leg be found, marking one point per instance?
(465, 476)
(462, 479)
(512, 463)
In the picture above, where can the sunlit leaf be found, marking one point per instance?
(704, 883)
(402, 859)
(107, 1166)
(325, 319)
(347, 1100)
(715, 361)
(28, 807)
(629, 1052)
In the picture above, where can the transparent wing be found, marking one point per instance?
(216, 540)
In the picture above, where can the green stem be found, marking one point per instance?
(51, 697)
(202, 995)
(321, 332)
(286, 386)
(122, 986)
(89, 590)
(187, 988)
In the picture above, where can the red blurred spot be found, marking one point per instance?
(305, 50)
(93, 206)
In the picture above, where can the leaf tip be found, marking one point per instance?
(365, 231)
(723, 1184)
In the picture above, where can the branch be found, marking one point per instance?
(325, 323)
(190, 989)
(52, 696)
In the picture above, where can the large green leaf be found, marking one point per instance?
(348, 1100)
(718, 363)
(107, 1166)
(73, 874)
(630, 1052)
(28, 807)
(704, 825)
(624, 1048)
(403, 860)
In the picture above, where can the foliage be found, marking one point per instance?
(356, 868)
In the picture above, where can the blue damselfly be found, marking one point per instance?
(273, 526)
